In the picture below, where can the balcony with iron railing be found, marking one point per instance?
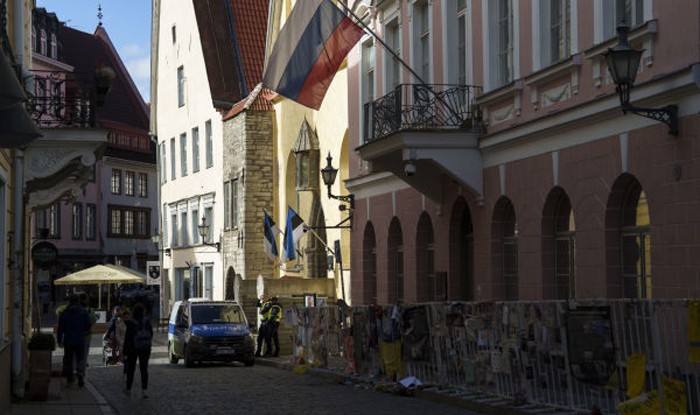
(422, 132)
(63, 99)
(421, 107)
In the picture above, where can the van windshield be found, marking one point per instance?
(217, 314)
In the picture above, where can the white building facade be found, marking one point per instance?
(188, 130)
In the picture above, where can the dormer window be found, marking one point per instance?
(42, 40)
(54, 46)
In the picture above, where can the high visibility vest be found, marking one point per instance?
(275, 314)
(265, 310)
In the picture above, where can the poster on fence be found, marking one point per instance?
(694, 331)
(591, 351)
(415, 335)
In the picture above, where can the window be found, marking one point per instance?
(35, 46)
(42, 40)
(368, 85)
(564, 245)
(143, 185)
(183, 155)
(555, 31)
(195, 150)
(129, 183)
(54, 46)
(302, 165)
(421, 30)
(173, 229)
(227, 205)
(234, 203)
(209, 217)
(90, 221)
(77, 221)
(501, 51)
(172, 159)
(461, 42)
(163, 163)
(129, 222)
(181, 86)
(636, 245)
(55, 221)
(195, 224)
(509, 253)
(173, 34)
(185, 232)
(393, 39)
(615, 10)
(116, 181)
(209, 144)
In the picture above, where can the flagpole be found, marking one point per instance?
(308, 229)
(397, 57)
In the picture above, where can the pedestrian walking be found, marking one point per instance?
(272, 330)
(85, 303)
(110, 335)
(137, 346)
(264, 305)
(73, 324)
(120, 334)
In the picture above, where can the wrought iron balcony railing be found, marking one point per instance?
(68, 99)
(421, 107)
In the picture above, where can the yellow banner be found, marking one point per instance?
(694, 331)
(675, 399)
(647, 404)
(636, 365)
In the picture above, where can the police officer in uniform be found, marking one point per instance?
(273, 322)
(264, 306)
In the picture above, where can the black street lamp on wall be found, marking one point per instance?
(204, 233)
(328, 174)
(623, 63)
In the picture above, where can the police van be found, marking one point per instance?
(202, 330)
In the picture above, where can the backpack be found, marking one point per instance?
(142, 335)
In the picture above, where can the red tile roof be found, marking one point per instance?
(233, 34)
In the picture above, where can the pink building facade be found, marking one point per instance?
(530, 183)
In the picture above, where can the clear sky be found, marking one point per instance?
(128, 24)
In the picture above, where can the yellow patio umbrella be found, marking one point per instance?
(102, 274)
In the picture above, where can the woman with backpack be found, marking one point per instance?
(137, 346)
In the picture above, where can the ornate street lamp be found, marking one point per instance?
(623, 63)
(204, 233)
(328, 174)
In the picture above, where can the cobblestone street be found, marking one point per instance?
(233, 388)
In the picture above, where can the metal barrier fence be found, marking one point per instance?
(567, 354)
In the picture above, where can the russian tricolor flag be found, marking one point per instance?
(315, 39)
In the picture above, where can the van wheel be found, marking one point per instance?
(188, 360)
(171, 356)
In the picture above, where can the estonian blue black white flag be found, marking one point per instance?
(295, 230)
(271, 230)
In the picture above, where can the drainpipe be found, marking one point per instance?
(17, 309)
(17, 305)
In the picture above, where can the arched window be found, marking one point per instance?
(369, 265)
(395, 257)
(34, 45)
(425, 259)
(636, 245)
(505, 247)
(558, 243)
